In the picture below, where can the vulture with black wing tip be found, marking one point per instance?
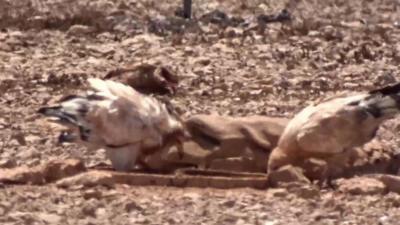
(117, 118)
(334, 126)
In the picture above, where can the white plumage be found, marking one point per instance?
(335, 126)
(119, 119)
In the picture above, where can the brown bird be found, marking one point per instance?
(117, 118)
(334, 127)
(147, 78)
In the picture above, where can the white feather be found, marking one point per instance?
(123, 117)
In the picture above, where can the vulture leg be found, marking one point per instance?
(123, 158)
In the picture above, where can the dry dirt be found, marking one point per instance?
(231, 64)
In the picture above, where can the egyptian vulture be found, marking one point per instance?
(334, 126)
(115, 117)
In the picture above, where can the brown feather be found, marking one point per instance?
(332, 128)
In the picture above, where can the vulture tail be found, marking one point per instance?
(70, 111)
(383, 102)
(58, 112)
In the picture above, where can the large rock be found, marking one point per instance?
(57, 169)
(90, 178)
(42, 174)
(189, 178)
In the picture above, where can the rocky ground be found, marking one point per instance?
(247, 58)
(143, 205)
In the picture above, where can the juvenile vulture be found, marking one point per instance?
(334, 127)
(115, 117)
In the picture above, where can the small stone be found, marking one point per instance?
(229, 203)
(8, 163)
(306, 192)
(132, 206)
(79, 30)
(57, 169)
(5, 47)
(278, 192)
(102, 50)
(101, 212)
(383, 220)
(287, 174)
(392, 182)
(323, 215)
(394, 199)
(92, 194)
(88, 179)
(361, 186)
(89, 210)
(49, 218)
(270, 222)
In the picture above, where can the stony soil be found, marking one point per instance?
(235, 64)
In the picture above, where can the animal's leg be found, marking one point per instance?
(215, 153)
(124, 158)
(316, 169)
(179, 147)
(228, 148)
(159, 160)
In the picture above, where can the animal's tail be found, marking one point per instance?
(383, 102)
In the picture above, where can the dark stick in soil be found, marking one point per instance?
(187, 9)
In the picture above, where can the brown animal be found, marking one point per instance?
(114, 116)
(235, 143)
(330, 130)
(240, 144)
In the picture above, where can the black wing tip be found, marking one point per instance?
(68, 97)
(49, 111)
(44, 110)
(387, 90)
(41, 110)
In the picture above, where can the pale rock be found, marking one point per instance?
(361, 186)
(287, 174)
(79, 30)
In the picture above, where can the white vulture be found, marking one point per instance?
(334, 127)
(117, 118)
